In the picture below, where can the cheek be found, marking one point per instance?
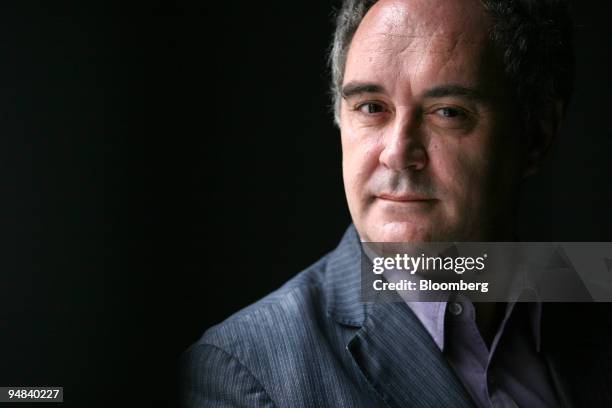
(460, 169)
(360, 158)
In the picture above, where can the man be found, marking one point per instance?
(444, 107)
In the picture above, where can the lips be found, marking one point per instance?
(404, 198)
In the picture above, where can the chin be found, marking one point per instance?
(399, 231)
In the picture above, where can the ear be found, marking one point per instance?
(542, 134)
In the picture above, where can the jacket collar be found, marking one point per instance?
(343, 281)
(391, 348)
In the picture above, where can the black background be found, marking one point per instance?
(163, 166)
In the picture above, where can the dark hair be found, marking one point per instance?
(533, 36)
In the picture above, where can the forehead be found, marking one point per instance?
(422, 40)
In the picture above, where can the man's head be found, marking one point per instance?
(444, 107)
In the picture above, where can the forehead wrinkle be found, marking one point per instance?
(437, 56)
(398, 43)
(397, 20)
(434, 44)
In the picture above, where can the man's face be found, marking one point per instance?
(431, 150)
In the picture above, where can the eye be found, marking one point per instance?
(449, 112)
(451, 117)
(370, 108)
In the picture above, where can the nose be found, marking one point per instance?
(403, 144)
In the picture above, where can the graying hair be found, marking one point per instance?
(534, 37)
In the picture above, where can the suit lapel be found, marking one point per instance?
(402, 363)
(558, 381)
(393, 351)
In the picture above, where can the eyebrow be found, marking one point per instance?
(358, 88)
(453, 90)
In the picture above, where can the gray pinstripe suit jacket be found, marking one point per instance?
(312, 343)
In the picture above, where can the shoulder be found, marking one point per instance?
(278, 317)
(286, 346)
(242, 358)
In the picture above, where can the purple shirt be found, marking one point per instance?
(512, 373)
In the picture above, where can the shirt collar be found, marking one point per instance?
(432, 317)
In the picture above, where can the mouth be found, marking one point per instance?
(405, 198)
